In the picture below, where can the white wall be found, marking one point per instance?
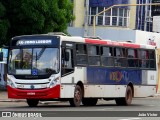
(105, 33)
(143, 37)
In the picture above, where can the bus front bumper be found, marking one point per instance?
(48, 93)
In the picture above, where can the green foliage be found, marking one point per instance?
(33, 17)
(4, 25)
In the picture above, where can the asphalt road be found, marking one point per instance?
(141, 109)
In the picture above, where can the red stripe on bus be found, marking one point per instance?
(95, 41)
(131, 45)
(112, 43)
(48, 93)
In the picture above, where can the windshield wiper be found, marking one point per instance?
(40, 54)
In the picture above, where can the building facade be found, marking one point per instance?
(144, 16)
(123, 17)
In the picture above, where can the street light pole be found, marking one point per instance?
(119, 5)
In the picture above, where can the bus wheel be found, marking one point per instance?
(32, 102)
(127, 99)
(76, 101)
(89, 101)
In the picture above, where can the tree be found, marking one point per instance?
(37, 16)
(4, 24)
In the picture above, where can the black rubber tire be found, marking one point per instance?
(32, 102)
(127, 100)
(76, 101)
(89, 101)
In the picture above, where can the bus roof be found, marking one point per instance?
(106, 42)
(94, 41)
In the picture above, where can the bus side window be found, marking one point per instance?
(152, 61)
(67, 61)
(131, 58)
(117, 55)
(144, 59)
(81, 54)
(93, 55)
(107, 56)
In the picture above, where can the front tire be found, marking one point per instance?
(127, 100)
(76, 101)
(32, 102)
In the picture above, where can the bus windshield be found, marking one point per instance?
(33, 61)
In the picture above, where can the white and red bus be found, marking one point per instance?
(79, 70)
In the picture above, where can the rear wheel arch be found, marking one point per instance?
(128, 96)
(82, 87)
(78, 95)
(132, 87)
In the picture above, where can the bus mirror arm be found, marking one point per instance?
(66, 56)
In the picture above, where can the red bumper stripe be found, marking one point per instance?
(48, 93)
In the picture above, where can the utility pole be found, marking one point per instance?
(86, 18)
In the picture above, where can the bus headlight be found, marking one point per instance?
(53, 82)
(10, 83)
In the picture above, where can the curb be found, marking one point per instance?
(7, 100)
(41, 102)
(50, 102)
(157, 95)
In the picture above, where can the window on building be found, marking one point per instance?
(144, 15)
(100, 17)
(113, 17)
(107, 18)
(92, 13)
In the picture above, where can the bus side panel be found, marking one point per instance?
(113, 76)
(149, 77)
(105, 91)
(67, 91)
(69, 82)
(79, 74)
(144, 91)
(67, 86)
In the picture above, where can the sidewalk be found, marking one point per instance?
(157, 95)
(4, 98)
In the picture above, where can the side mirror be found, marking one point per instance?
(66, 56)
(1, 56)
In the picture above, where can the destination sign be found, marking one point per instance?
(34, 42)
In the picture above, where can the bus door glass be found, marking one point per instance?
(67, 59)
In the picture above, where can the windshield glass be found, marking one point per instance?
(33, 61)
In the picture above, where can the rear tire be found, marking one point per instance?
(89, 101)
(32, 102)
(127, 100)
(76, 101)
